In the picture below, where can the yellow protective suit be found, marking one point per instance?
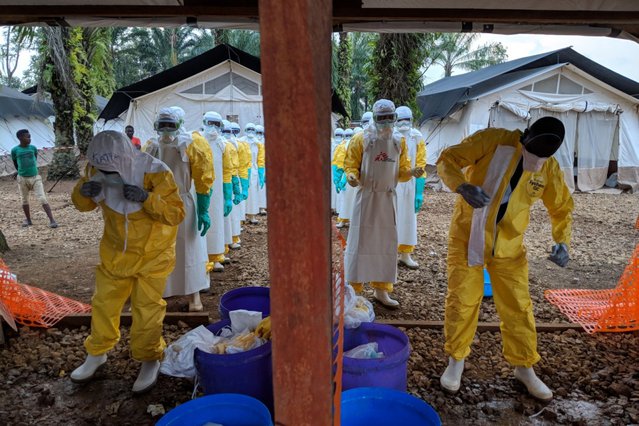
(228, 170)
(503, 252)
(244, 157)
(339, 155)
(352, 164)
(137, 253)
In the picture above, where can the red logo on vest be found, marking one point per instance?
(382, 156)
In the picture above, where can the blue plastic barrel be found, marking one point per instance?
(225, 409)
(247, 373)
(383, 407)
(389, 371)
(250, 298)
(488, 289)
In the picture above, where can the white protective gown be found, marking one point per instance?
(253, 201)
(189, 275)
(406, 216)
(237, 214)
(371, 248)
(215, 235)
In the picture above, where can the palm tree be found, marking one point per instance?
(362, 51)
(159, 49)
(394, 68)
(344, 65)
(455, 50)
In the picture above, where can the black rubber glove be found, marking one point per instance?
(90, 189)
(135, 193)
(474, 195)
(560, 255)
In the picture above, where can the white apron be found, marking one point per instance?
(406, 217)
(253, 202)
(371, 248)
(215, 235)
(348, 197)
(189, 275)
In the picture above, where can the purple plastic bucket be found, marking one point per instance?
(387, 372)
(250, 298)
(247, 373)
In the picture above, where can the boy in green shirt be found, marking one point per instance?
(25, 158)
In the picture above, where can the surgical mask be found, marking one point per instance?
(384, 125)
(403, 125)
(212, 131)
(167, 138)
(532, 163)
(226, 134)
(250, 133)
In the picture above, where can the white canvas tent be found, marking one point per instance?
(20, 111)
(595, 104)
(224, 79)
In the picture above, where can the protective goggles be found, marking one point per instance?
(404, 120)
(235, 131)
(226, 131)
(213, 123)
(385, 118)
(165, 126)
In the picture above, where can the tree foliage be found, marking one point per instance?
(344, 65)
(394, 68)
(457, 51)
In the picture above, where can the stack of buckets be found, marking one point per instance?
(374, 389)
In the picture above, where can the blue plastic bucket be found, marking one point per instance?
(488, 289)
(388, 372)
(383, 407)
(247, 373)
(225, 409)
(250, 298)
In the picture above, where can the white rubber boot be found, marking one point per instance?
(252, 220)
(406, 260)
(86, 371)
(451, 379)
(382, 297)
(339, 225)
(227, 261)
(535, 386)
(235, 246)
(147, 377)
(218, 267)
(195, 305)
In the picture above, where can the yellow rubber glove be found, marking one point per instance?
(263, 329)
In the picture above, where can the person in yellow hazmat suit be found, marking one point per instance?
(241, 160)
(256, 173)
(142, 209)
(191, 161)
(259, 133)
(505, 173)
(410, 195)
(336, 175)
(376, 160)
(222, 196)
(245, 158)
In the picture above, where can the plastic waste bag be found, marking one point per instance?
(357, 309)
(243, 320)
(365, 351)
(178, 356)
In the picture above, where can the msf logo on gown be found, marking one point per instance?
(382, 156)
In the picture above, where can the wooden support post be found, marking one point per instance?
(296, 70)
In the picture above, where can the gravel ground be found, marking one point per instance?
(596, 378)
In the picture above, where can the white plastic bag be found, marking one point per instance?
(357, 309)
(243, 320)
(365, 351)
(178, 357)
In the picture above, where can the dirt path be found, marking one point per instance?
(587, 372)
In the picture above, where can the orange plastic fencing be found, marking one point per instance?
(612, 310)
(32, 306)
(339, 244)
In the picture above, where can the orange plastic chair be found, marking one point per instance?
(612, 310)
(32, 306)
